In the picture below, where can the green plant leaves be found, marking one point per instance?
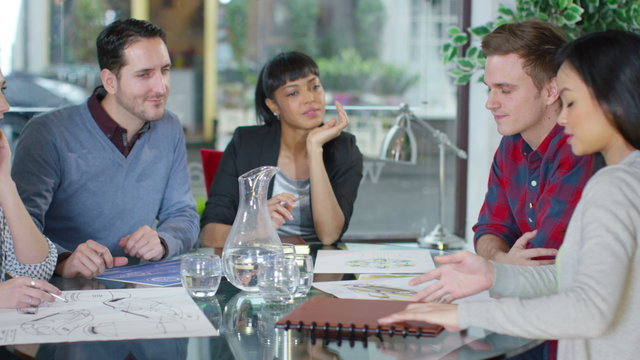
(480, 31)
(460, 39)
(575, 17)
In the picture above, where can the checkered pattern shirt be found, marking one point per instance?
(531, 190)
(8, 261)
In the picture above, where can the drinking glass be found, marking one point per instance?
(288, 248)
(305, 268)
(278, 278)
(200, 274)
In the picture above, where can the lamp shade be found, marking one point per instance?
(399, 144)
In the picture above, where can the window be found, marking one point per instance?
(371, 53)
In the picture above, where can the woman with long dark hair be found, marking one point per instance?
(320, 164)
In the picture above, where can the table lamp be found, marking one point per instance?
(399, 145)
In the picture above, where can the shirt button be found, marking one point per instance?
(534, 183)
(530, 220)
(530, 205)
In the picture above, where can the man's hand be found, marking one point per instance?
(88, 260)
(520, 255)
(461, 274)
(143, 243)
(441, 314)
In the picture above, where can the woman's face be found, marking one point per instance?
(583, 118)
(4, 105)
(299, 103)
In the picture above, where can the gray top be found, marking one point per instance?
(302, 223)
(589, 299)
(9, 262)
(78, 186)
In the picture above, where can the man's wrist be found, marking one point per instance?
(165, 248)
(62, 259)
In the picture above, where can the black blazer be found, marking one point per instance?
(254, 146)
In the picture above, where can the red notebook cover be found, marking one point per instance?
(353, 317)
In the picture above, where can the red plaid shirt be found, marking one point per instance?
(531, 190)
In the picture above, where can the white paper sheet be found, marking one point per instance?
(385, 289)
(412, 261)
(115, 314)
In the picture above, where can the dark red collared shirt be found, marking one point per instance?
(115, 133)
(533, 189)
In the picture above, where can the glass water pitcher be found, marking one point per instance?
(252, 235)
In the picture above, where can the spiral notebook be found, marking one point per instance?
(333, 317)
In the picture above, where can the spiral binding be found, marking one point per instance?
(337, 331)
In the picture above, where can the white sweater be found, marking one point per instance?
(590, 300)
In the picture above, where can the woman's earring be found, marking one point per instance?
(276, 115)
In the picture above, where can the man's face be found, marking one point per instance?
(143, 82)
(515, 102)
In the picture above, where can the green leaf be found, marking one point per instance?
(506, 12)
(612, 3)
(456, 73)
(561, 4)
(446, 46)
(465, 64)
(460, 39)
(464, 79)
(543, 17)
(472, 53)
(451, 55)
(575, 9)
(454, 31)
(480, 31)
(570, 17)
(621, 15)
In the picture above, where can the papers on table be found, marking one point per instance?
(161, 273)
(396, 288)
(412, 261)
(99, 315)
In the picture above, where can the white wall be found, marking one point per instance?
(483, 136)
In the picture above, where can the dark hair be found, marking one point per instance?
(609, 64)
(117, 36)
(284, 67)
(536, 42)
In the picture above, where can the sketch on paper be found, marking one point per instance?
(380, 291)
(96, 315)
(393, 288)
(410, 261)
(379, 263)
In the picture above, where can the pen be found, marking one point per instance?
(12, 275)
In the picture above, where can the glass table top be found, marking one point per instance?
(247, 331)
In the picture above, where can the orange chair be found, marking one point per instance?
(210, 161)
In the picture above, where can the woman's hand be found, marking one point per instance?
(280, 207)
(459, 275)
(434, 313)
(22, 292)
(330, 130)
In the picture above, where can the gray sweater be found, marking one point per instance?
(589, 299)
(77, 185)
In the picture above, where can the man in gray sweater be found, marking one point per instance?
(97, 176)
